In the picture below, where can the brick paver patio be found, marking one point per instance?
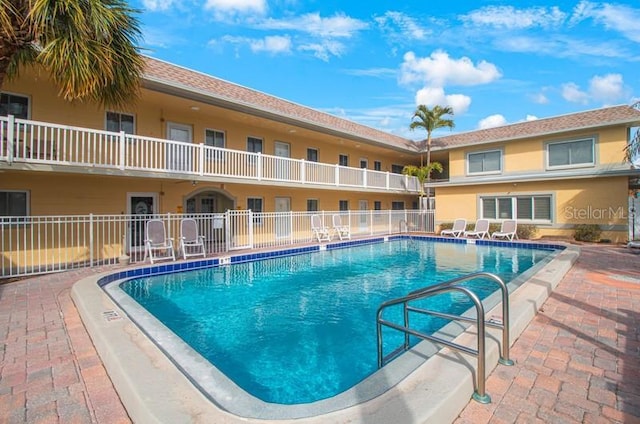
(578, 361)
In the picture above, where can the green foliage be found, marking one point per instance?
(429, 120)
(587, 232)
(422, 173)
(87, 46)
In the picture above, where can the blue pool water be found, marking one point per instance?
(302, 328)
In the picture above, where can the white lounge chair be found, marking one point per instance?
(343, 231)
(320, 232)
(191, 243)
(480, 231)
(459, 226)
(507, 230)
(157, 241)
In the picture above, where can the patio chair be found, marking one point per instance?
(459, 226)
(320, 232)
(191, 243)
(507, 230)
(158, 242)
(480, 231)
(343, 231)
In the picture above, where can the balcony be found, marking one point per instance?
(32, 142)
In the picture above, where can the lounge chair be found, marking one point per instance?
(320, 232)
(480, 231)
(459, 226)
(343, 231)
(507, 230)
(157, 241)
(191, 243)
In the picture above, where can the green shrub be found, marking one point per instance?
(587, 232)
(526, 231)
(446, 226)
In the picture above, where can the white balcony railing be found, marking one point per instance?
(42, 244)
(30, 141)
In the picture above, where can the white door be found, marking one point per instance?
(283, 217)
(180, 155)
(282, 150)
(141, 207)
(363, 205)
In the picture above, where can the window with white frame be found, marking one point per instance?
(14, 203)
(397, 169)
(520, 207)
(489, 162)
(571, 153)
(343, 205)
(343, 160)
(397, 206)
(377, 165)
(14, 104)
(254, 204)
(214, 138)
(254, 145)
(312, 205)
(117, 122)
(312, 154)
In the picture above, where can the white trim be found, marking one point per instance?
(106, 121)
(27, 193)
(26, 96)
(224, 137)
(591, 164)
(482, 152)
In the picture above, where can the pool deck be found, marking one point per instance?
(577, 361)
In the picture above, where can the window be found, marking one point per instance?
(397, 169)
(571, 153)
(343, 205)
(117, 122)
(255, 205)
(312, 205)
(523, 208)
(14, 203)
(377, 205)
(13, 104)
(364, 163)
(343, 160)
(397, 206)
(377, 165)
(214, 138)
(484, 162)
(312, 155)
(254, 145)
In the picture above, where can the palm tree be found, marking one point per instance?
(87, 46)
(430, 119)
(422, 173)
(632, 151)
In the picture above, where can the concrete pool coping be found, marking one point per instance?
(154, 390)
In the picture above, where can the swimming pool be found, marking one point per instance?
(318, 309)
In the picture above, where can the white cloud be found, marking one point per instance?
(540, 98)
(225, 8)
(157, 5)
(531, 118)
(620, 18)
(325, 49)
(337, 26)
(407, 27)
(439, 70)
(373, 72)
(272, 44)
(492, 121)
(432, 96)
(508, 17)
(606, 89)
(571, 92)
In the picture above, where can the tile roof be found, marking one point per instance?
(215, 88)
(615, 115)
(233, 94)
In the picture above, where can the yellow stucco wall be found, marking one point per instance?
(528, 155)
(600, 201)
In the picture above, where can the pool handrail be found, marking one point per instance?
(479, 394)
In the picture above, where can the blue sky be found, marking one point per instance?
(493, 62)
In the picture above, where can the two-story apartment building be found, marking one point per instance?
(553, 173)
(193, 143)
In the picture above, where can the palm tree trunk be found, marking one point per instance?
(428, 163)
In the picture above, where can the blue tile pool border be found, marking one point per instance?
(165, 268)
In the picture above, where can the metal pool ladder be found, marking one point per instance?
(448, 286)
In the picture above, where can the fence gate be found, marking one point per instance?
(239, 230)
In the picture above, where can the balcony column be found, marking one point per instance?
(201, 158)
(122, 140)
(259, 170)
(303, 168)
(11, 124)
(337, 175)
(387, 180)
(364, 177)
